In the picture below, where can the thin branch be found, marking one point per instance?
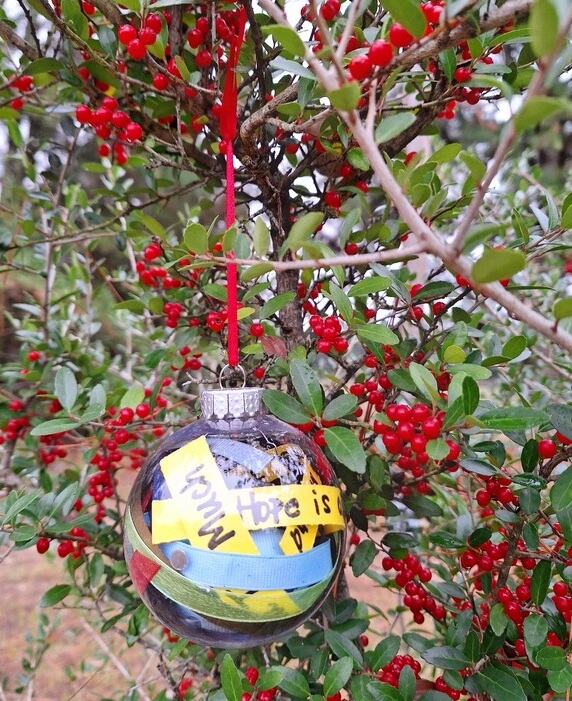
(393, 255)
(428, 240)
(508, 138)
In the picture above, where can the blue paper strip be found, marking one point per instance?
(250, 572)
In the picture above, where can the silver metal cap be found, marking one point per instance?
(232, 403)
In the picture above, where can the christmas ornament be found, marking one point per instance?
(234, 531)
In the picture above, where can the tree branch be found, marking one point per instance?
(428, 240)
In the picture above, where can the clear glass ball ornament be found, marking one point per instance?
(234, 529)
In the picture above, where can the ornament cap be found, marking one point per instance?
(242, 403)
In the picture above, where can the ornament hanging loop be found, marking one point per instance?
(230, 374)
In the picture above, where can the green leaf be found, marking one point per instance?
(562, 308)
(345, 98)
(196, 238)
(500, 684)
(340, 406)
(230, 679)
(497, 264)
(471, 395)
(341, 301)
(379, 691)
(286, 36)
(275, 304)
(302, 230)
(357, 159)
(346, 448)
(369, 286)
(21, 504)
(514, 347)
(384, 652)
(512, 418)
(65, 387)
(294, 683)
(536, 110)
(543, 26)
(134, 396)
(437, 448)
(423, 506)
(540, 581)
(445, 657)
(338, 675)
(407, 683)
(43, 65)
(498, 620)
(54, 595)
(564, 517)
(261, 237)
(378, 333)
(362, 557)
(48, 428)
(433, 290)
(424, 381)
(561, 680)
(285, 407)
(284, 64)
(393, 125)
(561, 492)
(407, 13)
(342, 646)
(560, 416)
(551, 658)
(535, 630)
(307, 386)
(478, 467)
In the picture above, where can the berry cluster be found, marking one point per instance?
(407, 434)
(390, 673)
(329, 332)
(416, 598)
(22, 84)
(106, 119)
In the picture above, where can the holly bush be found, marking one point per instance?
(402, 235)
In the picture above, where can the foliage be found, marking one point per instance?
(438, 386)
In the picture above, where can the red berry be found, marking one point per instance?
(251, 675)
(133, 132)
(88, 8)
(360, 67)
(126, 34)
(65, 548)
(462, 75)
(120, 119)
(259, 373)
(482, 497)
(153, 21)
(83, 114)
(330, 9)
(399, 36)
(160, 81)
(34, 356)
(147, 36)
(256, 330)
(333, 199)
(137, 49)
(381, 53)
(42, 545)
(195, 38)
(547, 448)
(104, 150)
(203, 59)
(143, 410)
(364, 640)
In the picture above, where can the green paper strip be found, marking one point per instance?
(216, 603)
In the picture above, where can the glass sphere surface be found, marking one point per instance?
(234, 531)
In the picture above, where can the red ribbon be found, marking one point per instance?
(228, 123)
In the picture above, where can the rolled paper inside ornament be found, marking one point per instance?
(250, 572)
(224, 604)
(242, 453)
(255, 508)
